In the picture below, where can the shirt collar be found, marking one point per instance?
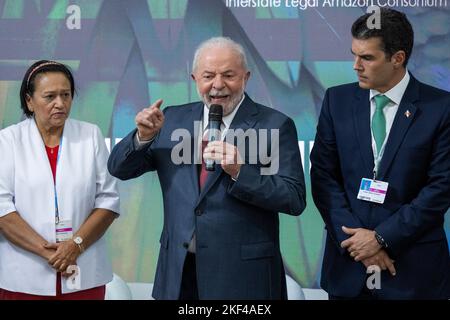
(396, 93)
(226, 120)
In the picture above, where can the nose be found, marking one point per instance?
(59, 101)
(357, 64)
(218, 83)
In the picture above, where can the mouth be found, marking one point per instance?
(361, 78)
(59, 114)
(218, 98)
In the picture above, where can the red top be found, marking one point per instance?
(52, 154)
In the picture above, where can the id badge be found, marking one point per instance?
(372, 190)
(64, 230)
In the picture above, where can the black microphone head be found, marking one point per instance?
(215, 112)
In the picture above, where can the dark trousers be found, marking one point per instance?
(189, 290)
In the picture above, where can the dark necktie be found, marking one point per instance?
(203, 171)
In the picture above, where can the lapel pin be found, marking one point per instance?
(407, 113)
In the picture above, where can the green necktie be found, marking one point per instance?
(379, 121)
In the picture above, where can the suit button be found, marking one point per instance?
(198, 212)
(185, 245)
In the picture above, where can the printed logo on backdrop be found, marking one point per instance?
(309, 4)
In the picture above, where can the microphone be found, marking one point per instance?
(214, 121)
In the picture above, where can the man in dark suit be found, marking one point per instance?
(220, 238)
(386, 136)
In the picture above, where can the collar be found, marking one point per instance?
(395, 94)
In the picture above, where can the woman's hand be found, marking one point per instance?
(66, 254)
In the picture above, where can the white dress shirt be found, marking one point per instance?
(395, 94)
(26, 186)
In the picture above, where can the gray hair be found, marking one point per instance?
(223, 42)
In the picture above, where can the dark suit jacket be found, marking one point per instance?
(416, 164)
(236, 223)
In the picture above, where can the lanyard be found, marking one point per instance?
(377, 159)
(54, 185)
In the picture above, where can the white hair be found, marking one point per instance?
(223, 42)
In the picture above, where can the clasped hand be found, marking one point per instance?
(62, 255)
(362, 246)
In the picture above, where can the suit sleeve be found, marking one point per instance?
(280, 188)
(128, 162)
(428, 209)
(327, 183)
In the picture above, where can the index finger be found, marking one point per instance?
(391, 267)
(346, 243)
(215, 143)
(53, 259)
(157, 104)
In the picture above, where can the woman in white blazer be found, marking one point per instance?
(57, 198)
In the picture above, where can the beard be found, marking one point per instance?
(229, 106)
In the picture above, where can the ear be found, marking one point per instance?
(247, 76)
(29, 104)
(398, 59)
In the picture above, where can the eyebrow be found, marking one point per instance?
(361, 55)
(212, 72)
(53, 91)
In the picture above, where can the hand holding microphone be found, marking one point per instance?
(218, 151)
(150, 120)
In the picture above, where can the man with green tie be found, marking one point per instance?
(380, 173)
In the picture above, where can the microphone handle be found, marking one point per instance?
(213, 135)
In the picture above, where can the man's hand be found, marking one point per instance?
(149, 121)
(362, 243)
(226, 154)
(66, 254)
(382, 260)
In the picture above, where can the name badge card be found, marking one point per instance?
(64, 230)
(372, 190)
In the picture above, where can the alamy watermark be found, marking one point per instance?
(73, 282)
(257, 146)
(73, 21)
(374, 280)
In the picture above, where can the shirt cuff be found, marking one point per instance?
(139, 144)
(237, 176)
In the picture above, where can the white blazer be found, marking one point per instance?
(26, 186)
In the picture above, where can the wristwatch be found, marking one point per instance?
(380, 240)
(79, 242)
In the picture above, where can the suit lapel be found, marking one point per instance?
(244, 119)
(361, 117)
(403, 119)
